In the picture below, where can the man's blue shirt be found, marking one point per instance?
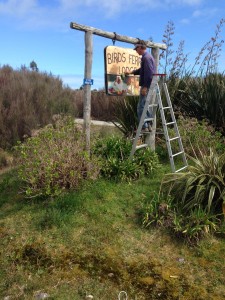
(146, 70)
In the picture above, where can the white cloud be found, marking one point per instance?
(36, 14)
(185, 21)
(18, 7)
(184, 2)
(29, 6)
(191, 2)
(205, 13)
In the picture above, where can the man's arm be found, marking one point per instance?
(134, 72)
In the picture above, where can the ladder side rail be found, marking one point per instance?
(175, 123)
(142, 120)
(171, 108)
(153, 109)
(166, 134)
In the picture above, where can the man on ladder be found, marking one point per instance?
(146, 72)
(150, 98)
(154, 101)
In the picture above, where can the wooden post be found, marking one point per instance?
(87, 87)
(155, 54)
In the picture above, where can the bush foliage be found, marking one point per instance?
(114, 152)
(55, 160)
(196, 137)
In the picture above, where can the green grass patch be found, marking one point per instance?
(92, 242)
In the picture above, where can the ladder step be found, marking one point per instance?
(170, 123)
(142, 146)
(174, 138)
(181, 169)
(167, 107)
(153, 105)
(178, 153)
(148, 119)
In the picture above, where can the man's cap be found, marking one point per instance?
(139, 45)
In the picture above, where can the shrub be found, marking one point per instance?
(195, 225)
(194, 203)
(126, 115)
(203, 185)
(55, 160)
(191, 226)
(197, 136)
(114, 153)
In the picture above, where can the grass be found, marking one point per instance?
(93, 242)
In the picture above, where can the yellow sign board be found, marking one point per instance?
(118, 61)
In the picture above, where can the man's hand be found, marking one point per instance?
(144, 91)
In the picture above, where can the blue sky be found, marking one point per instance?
(39, 30)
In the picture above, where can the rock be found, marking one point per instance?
(39, 296)
(89, 297)
(181, 260)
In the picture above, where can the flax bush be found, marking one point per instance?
(190, 204)
(126, 115)
(202, 98)
(203, 185)
(55, 160)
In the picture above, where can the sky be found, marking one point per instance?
(39, 30)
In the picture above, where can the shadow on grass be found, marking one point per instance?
(99, 200)
(12, 200)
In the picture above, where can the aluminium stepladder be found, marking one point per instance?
(153, 102)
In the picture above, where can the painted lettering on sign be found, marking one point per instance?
(118, 61)
(88, 81)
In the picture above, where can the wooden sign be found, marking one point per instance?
(118, 61)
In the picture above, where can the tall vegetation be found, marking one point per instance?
(28, 100)
(197, 91)
(206, 62)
